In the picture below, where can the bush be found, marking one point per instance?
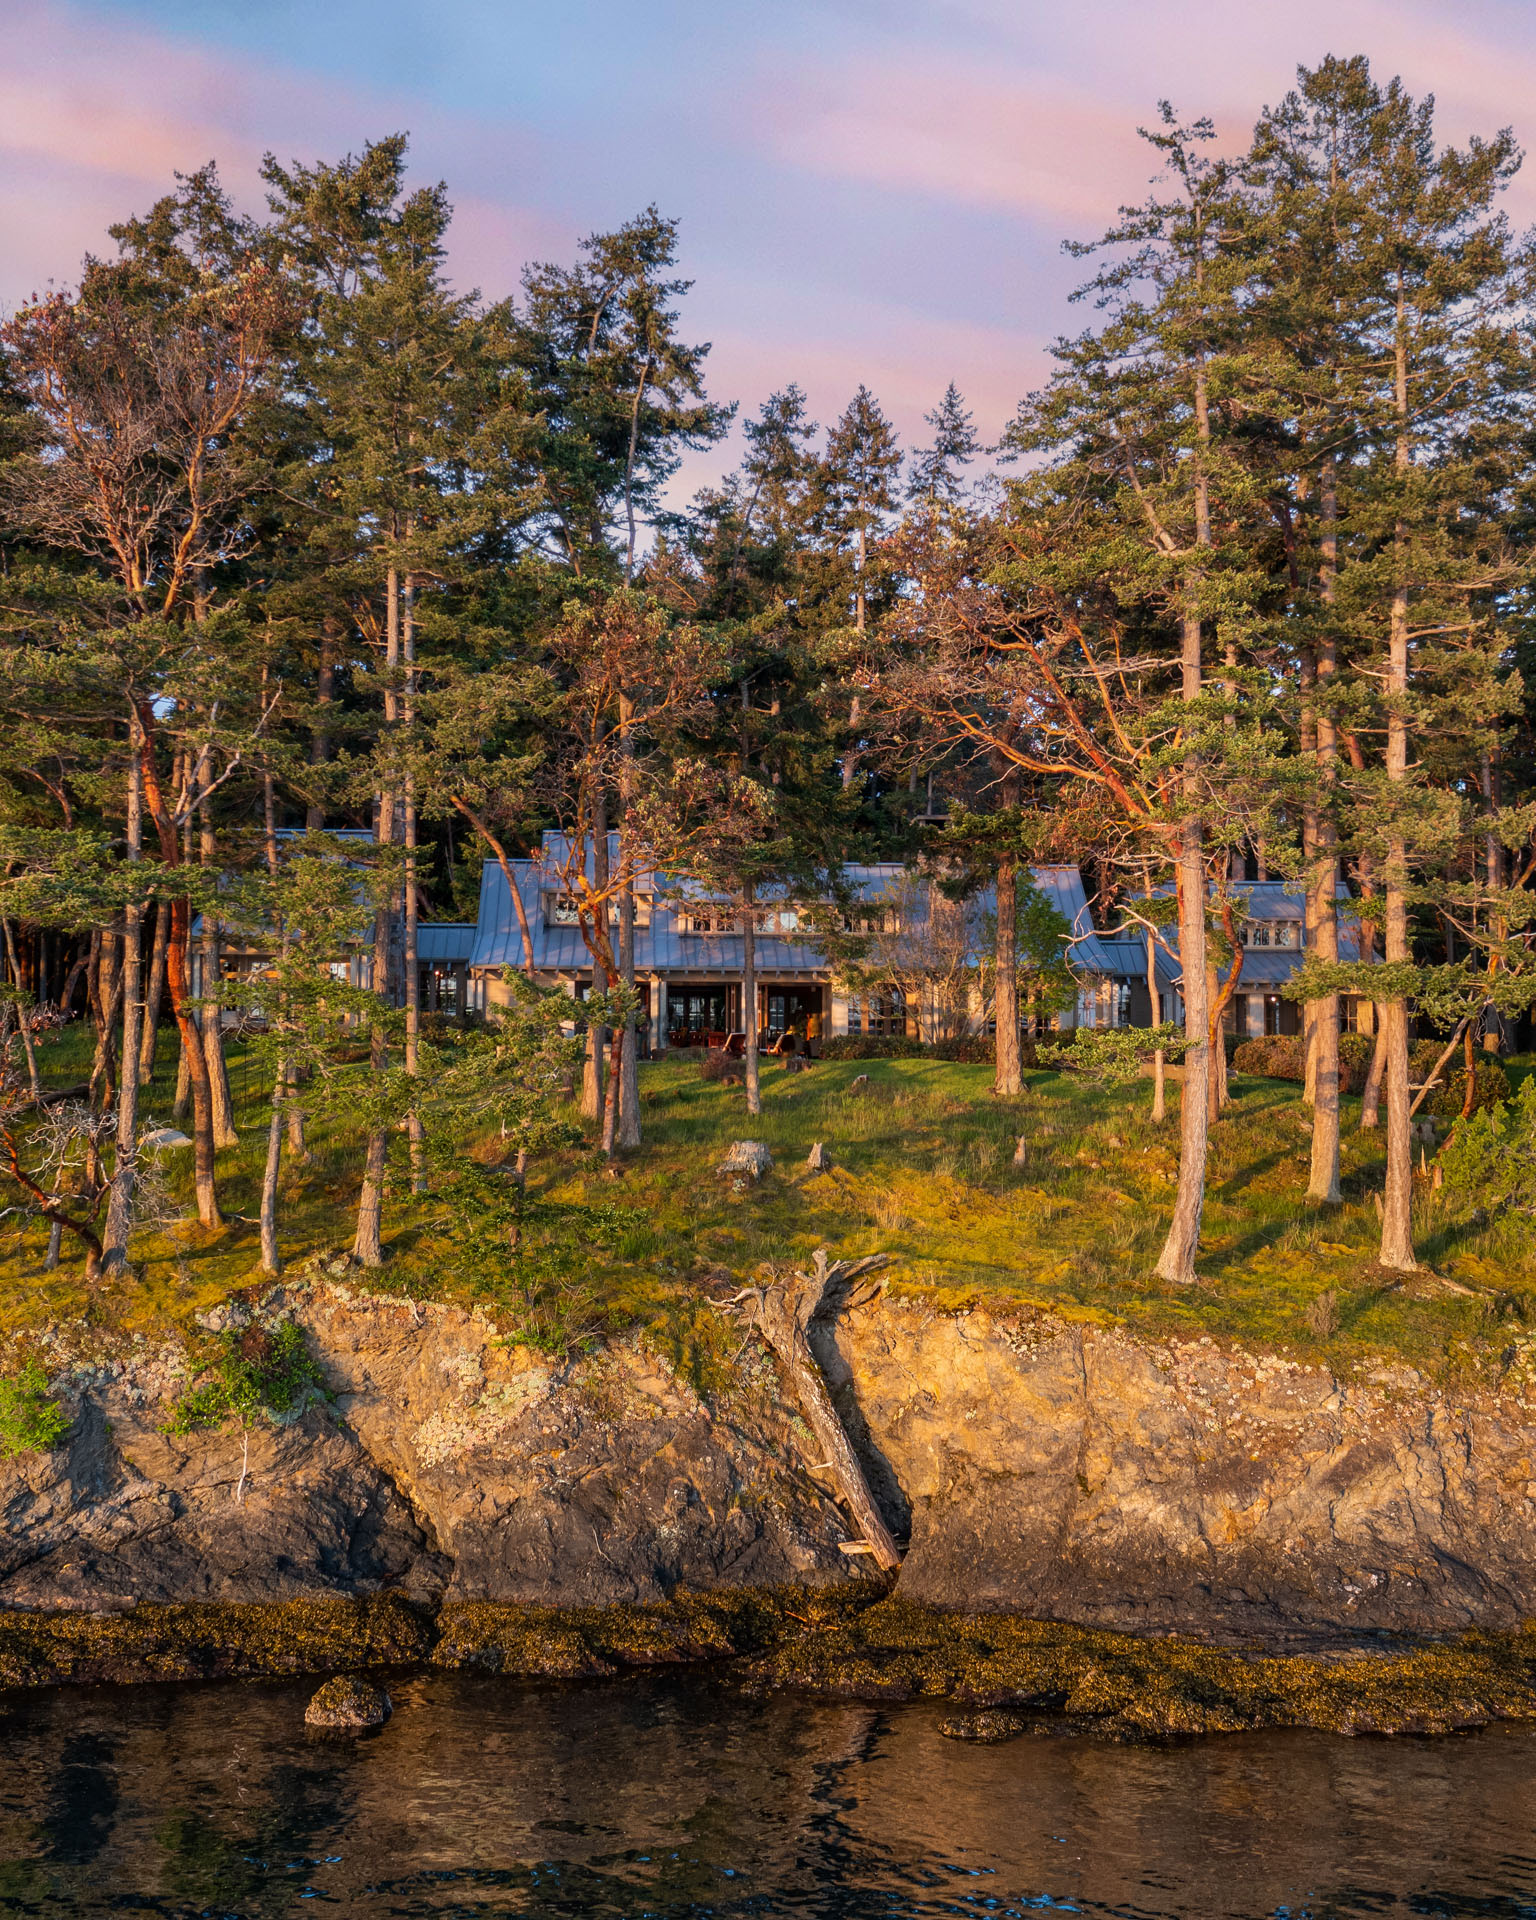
(871, 1046)
(258, 1370)
(29, 1421)
(1490, 1083)
(1283, 1056)
(970, 1049)
(1274, 1056)
(1490, 1160)
(718, 1063)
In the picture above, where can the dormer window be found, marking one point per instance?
(1287, 935)
(560, 910)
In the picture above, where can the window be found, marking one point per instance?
(1285, 934)
(715, 920)
(560, 911)
(782, 921)
(879, 1013)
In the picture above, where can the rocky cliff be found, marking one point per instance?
(1033, 1467)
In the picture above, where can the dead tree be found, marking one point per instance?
(783, 1313)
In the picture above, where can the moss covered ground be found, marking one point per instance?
(922, 1168)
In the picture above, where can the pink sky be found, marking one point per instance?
(869, 189)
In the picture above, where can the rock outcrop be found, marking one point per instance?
(1081, 1474)
(448, 1464)
(1064, 1472)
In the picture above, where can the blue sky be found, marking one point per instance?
(867, 191)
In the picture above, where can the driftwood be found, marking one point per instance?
(782, 1314)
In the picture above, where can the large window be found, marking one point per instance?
(879, 1013)
(694, 1013)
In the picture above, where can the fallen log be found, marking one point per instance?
(782, 1313)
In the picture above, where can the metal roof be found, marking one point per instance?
(663, 946)
(445, 939)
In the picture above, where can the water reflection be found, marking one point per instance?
(676, 1796)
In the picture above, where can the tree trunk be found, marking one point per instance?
(1397, 1199)
(182, 1100)
(1323, 880)
(783, 1313)
(224, 1134)
(1216, 1080)
(23, 1017)
(149, 1031)
(749, 1000)
(325, 689)
(1177, 1261)
(367, 1241)
(524, 932)
(594, 1104)
(125, 1162)
(1159, 1058)
(629, 1051)
(270, 1262)
(105, 981)
(1008, 1078)
(195, 1062)
(412, 905)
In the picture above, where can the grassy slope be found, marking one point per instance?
(923, 1169)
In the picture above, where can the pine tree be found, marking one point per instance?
(934, 477)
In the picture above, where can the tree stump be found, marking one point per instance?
(749, 1157)
(818, 1159)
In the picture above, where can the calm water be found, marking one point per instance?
(675, 1796)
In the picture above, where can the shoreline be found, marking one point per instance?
(853, 1643)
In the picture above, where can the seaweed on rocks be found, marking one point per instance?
(1126, 1687)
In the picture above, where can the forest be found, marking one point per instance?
(324, 582)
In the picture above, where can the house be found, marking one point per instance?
(689, 957)
(443, 949)
(689, 954)
(1274, 937)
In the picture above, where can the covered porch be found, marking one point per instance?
(705, 1012)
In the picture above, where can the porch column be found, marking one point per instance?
(658, 1013)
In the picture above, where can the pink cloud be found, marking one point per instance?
(1018, 125)
(130, 107)
(1031, 142)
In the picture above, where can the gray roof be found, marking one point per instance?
(444, 940)
(662, 946)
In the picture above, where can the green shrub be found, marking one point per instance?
(1274, 1056)
(971, 1049)
(1489, 1161)
(29, 1421)
(1283, 1056)
(259, 1370)
(871, 1046)
(1490, 1083)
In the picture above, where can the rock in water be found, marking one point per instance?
(988, 1727)
(749, 1157)
(818, 1159)
(347, 1701)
